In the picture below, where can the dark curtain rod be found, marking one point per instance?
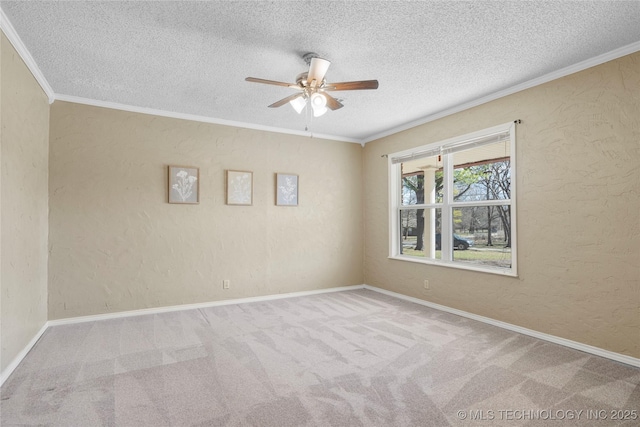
(517, 121)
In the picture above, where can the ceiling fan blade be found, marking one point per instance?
(285, 100)
(273, 82)
(317, 69)
(332, 103)
(357, 85)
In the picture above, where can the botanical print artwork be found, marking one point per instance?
(183, 184)
(287, 190)
(239, 188)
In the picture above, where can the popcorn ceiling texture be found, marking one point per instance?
(192, 57)
(578, 184)
(25, 139)
(116, 244)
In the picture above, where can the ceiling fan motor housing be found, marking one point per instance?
(301, 80)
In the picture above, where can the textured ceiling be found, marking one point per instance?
(192, 57)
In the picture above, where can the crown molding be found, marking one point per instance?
(554, 75)
(19, 46)
(580, 66)
(17, 43)
(196, 118)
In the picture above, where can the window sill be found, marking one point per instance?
(456, 265)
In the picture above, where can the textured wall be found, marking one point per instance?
(578, 211)
(24, 202)
(116, 244)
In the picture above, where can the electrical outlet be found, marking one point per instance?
(226, 284)
(426, 283)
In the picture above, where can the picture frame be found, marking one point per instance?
(184, 185)
(239, 188)
(287, 189)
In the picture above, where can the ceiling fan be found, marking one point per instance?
(312, 87)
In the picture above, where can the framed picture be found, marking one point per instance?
(239, 188)
(286, 189)
(184, 184)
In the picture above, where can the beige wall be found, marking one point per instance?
(24, 111)
(578, 211)
(116, 244)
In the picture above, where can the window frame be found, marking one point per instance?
(444, 147)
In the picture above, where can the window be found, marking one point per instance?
(453, 202)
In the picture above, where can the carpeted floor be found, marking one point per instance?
(354, 358)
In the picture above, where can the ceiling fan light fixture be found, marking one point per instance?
(318, 100)
(319, 104)
(298, 104)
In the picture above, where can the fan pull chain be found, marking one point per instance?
(309, 117)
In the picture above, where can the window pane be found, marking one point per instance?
(482, 235)
(422, 181)
(482, 173)
(418, 231)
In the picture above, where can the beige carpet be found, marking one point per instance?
(355, 358)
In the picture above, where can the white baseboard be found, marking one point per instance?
(16, 361)
(541, 335)
(158, 310)
(551, 338)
